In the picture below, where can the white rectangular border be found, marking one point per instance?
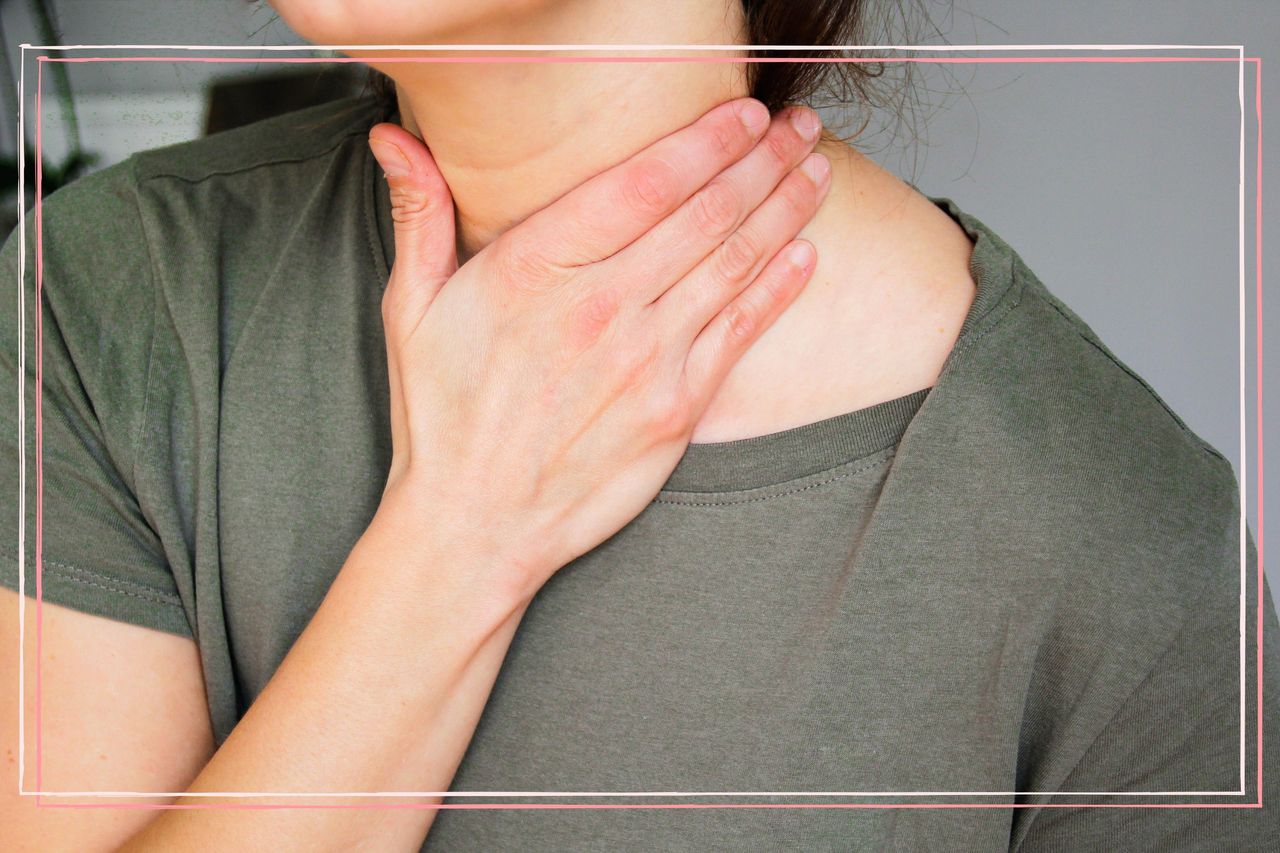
(1243, 473)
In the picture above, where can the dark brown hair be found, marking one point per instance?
(862, 85)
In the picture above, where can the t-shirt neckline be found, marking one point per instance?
(790, 454)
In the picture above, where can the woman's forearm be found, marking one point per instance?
(381, 692)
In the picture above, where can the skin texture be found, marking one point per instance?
(104, 685)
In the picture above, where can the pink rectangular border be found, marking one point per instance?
(1257, 63)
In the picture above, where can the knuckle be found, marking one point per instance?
(392, 303)
(726, 138)
(592, 316)
(649, 187)
(740, 321)
(715, 209)
(736, 258)
(388, 304)
(388, 320)
(522, 266)
(778, 147)
(410, 205)
(797, 195)
(639, 365)
(773, 288)
(669, 415)
(402, 309)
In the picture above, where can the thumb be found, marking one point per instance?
(421, 209)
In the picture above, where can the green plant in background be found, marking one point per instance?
(77, 161)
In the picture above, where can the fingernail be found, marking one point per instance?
(800, 255)
(390, 158)
(753, 114)
(806, 123)
(818, 168)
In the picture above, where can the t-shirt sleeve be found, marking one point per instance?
(1179, 732)
(90, 349)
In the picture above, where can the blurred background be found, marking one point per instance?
(99, 113)
(1117, 182)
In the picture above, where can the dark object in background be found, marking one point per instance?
(53, 175)
(238, 101)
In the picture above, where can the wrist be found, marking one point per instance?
(443, 545)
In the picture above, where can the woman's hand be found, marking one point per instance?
(543, 392)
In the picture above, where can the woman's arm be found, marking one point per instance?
(1179, 730)
(122, 709)
(381, 692)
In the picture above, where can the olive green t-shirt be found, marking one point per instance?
(1026, 578)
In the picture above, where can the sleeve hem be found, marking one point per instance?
(101, 595)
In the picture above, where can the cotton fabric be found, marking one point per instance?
(1025, 578)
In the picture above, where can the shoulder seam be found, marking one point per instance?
(1151, 392)
(269, 162)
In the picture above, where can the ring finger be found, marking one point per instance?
(687, 307)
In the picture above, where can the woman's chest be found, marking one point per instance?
(674, 660)
(773, 645)
(791, 640)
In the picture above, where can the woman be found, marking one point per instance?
(553, 512)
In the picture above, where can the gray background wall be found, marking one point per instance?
(1117, 183)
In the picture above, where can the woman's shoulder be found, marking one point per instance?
(168, 251)
(1047, 373)
(162, 203)
(105, 213)
(1063, 479)
(289, 138)
(1058, 443)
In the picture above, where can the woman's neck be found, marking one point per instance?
(891, 286)
(511, 137)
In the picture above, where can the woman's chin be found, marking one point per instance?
(382, 22)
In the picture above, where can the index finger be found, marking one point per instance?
(610, 210)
